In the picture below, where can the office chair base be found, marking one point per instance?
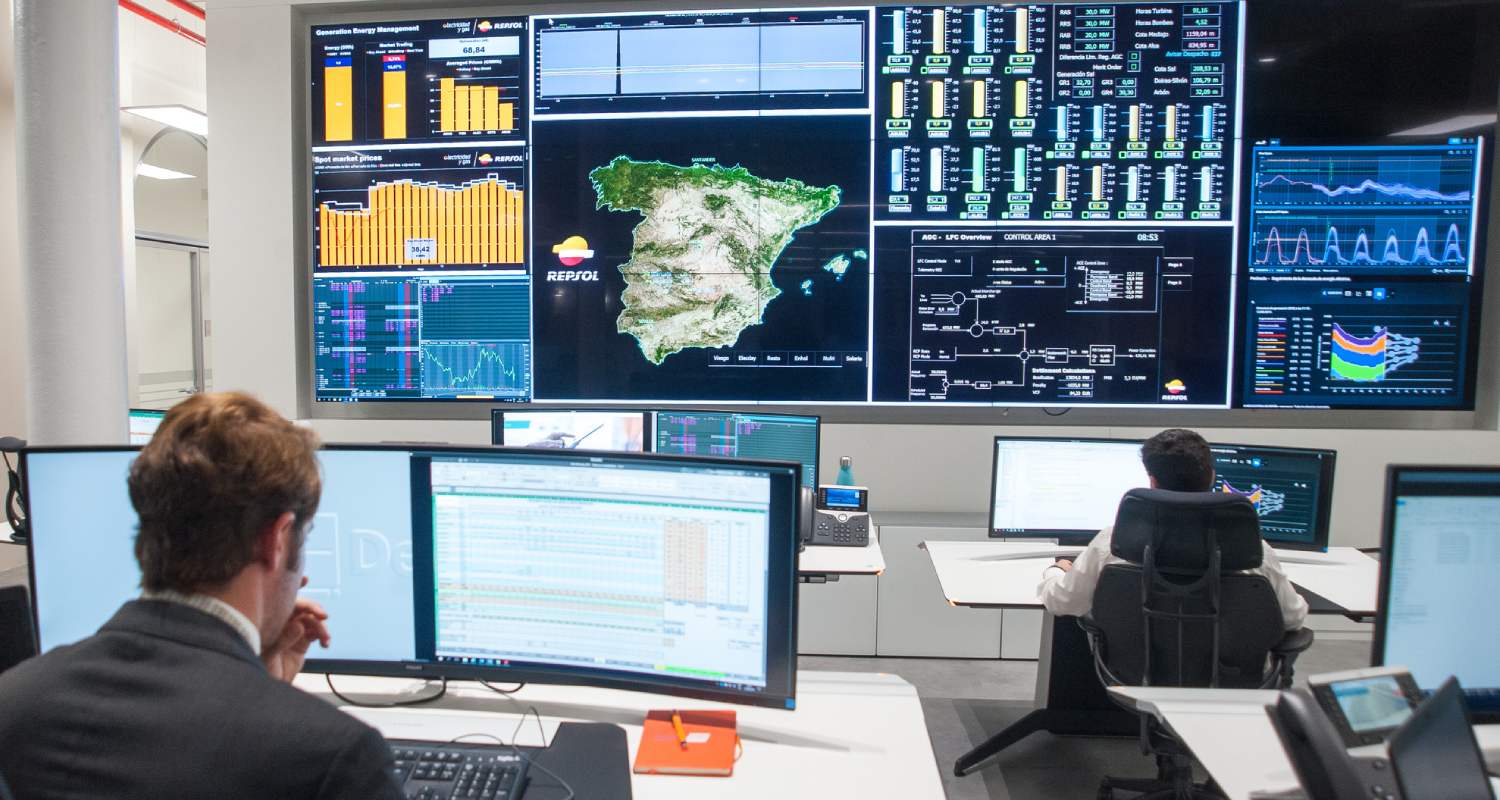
(1154, 789)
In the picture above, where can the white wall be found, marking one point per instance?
(253, 67)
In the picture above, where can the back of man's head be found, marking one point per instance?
(1179, 460)
(218, 472)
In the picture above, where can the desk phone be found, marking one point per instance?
(1366, 705)
(841, 516)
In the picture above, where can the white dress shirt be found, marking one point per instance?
(216, 608)
(1071, 593)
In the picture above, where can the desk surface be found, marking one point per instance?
(852, 735)
(1231, 735)
(1005, 574)
(822, 559)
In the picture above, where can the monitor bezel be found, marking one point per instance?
(1322, 530)
(497, 423)
(1484, 702)
(817, 419)
(780, 697)
(1064, 536)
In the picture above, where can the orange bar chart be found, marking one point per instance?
(338, 99)
(407, 223)
(394, 102)
(472, 109)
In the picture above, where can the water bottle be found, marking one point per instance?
(846, 473)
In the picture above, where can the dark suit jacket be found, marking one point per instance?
(166, 701)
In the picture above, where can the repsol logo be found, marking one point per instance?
(573, 275)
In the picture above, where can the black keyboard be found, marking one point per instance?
(458, 771)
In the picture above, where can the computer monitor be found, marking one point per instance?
(573, 429)
(646, 572)
(1441, 547)
(1291, 489)
(1061, 488)
(143, 423)
(780, 437)
(357, 557)
(656, 573)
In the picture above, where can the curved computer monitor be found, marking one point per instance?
(1290, 487)
(614, 429)
(1063, 488)
(1440, 545)
(654, 573)
(740, 434)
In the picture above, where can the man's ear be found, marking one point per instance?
(275, 542)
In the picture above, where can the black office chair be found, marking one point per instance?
(17, 634)
(1178, 614)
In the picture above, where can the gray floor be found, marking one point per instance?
(965, 701)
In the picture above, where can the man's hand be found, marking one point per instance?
(284, 656)
(1063, 564)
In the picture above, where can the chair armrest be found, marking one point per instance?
(1293, 642)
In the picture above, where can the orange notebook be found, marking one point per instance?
(709, 749)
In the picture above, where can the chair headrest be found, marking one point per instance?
(1183, 526)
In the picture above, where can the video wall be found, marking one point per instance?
(1019, 204)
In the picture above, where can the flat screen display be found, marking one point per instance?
(1291, 489)
(1061, 488)
(563, 429)
(779, 437)
(143, 423)
(1442, 539)
(1010, 205)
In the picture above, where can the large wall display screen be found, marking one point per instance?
(941, 205)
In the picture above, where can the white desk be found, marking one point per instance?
(852, 734)
(1006, 574)
(1231, 735)
(822, 559)
(1343, 575)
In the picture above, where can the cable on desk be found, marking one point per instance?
(507, 692)
(518, 751)
(396, 704)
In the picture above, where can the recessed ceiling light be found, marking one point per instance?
(160, 173)
(180, 117)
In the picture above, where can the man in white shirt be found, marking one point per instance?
(1177, 460)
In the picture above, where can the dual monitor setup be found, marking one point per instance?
(1069, 488)
(625, 570)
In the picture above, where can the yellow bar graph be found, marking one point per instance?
(1062, 183)
(1135, 123)
(1172, 123)
(473, 109)
(445, 105)
(898, 99)
(338, 103)
(979, 99)
(939, 96)
(1098, 183)
(478, 222)
(1023, 33)
(1023, 99)
(939, 31)
(394, 87)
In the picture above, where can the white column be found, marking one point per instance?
(68, 154)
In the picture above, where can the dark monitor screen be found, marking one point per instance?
(1363, 268)
(1291, 489)
(1066, 489)
(620, 431)
(780, 437)
(1441, 543)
